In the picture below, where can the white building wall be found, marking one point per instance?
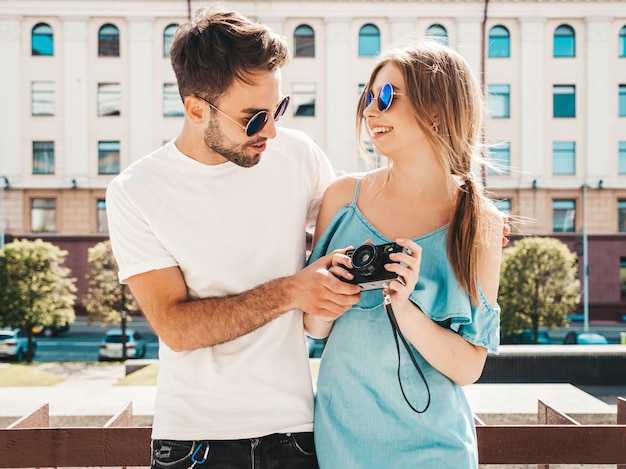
(336, 70)
(10, 95)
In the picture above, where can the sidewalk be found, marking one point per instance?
(89, 397)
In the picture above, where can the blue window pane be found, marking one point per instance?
(503, 205)
(109, 41)
(304, 41)
(622, 42)
(564, 101)
(43, 157)
(168, 35)
(564, 42)
(498, 100)
(563, 158)
(438, 33)
(621, 221)
(500, 157)
(42, 40)
(622, 100)
(499, 42)
(108, 157)
(369, 40)
(563, 216)
(172, 103)
(621, 158)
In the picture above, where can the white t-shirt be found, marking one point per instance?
(228, 229)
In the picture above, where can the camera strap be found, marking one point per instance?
(398, 333)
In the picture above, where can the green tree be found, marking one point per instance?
(538, 285)
(106, 300)
(35, 287)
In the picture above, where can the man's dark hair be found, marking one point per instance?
(219, 47)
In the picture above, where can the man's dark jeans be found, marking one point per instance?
(277, 451)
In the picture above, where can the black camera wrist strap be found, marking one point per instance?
(398, 333)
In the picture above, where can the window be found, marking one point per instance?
(369, 40)
(168, 35)
(43, 215)
(498, 100)
(622, 275)
(563, 216)
(109, 41)
(42, 40)
(42, 101)
(103, 223)
(109, 99)
(108, 157)
(499, 42)
(172, 102)
(622, 100)
(303, 99)
(504, 205)
(438, 33)
(621, 215)
(564, 101)
(500, 158)
(621, 157)
(563, 158)
(622, 42)
(564, 41)
(304, 41)
(43, 157)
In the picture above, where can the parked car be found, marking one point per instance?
(575, 317)
(527, 336)
(14, 344)
(584, 338)
(110, 347)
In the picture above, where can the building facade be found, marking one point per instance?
(87, 88)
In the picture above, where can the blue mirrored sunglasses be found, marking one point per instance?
(258, 121)
(384, 98)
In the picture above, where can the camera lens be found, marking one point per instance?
(366, 259)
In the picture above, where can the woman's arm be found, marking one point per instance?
(444, 349)
(338, 194)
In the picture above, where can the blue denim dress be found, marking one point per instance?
(362, 419)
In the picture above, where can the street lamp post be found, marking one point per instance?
(585, 186)
(124, 341)
(3, 187)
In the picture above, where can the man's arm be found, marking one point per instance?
(185, 324)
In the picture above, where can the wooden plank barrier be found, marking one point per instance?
(621, 419)
(556, 439)
(546, 415)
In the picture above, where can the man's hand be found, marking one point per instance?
(320, 293)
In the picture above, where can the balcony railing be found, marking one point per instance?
(556, 439)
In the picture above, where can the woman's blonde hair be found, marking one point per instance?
(440, 83)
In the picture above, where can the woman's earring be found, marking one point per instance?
(435, 127)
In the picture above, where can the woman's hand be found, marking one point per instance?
(341, 263)
(407, 266)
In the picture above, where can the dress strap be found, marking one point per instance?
(356, 191)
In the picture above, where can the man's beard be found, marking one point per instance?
(216, 141)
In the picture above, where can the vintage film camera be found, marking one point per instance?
(368, 262)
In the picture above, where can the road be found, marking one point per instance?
(80, 343)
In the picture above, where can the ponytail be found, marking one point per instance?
(462, 237)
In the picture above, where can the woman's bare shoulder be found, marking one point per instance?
(341, 190)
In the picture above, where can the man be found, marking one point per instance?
(209, 234)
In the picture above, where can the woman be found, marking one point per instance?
(382, 402)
